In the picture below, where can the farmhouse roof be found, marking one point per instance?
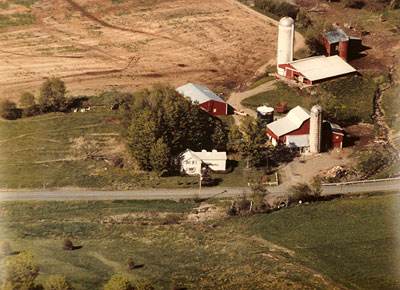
(206, 155)
(298, 141)
(322, 67)
(198, 93)
(293, 120)
(337, 35)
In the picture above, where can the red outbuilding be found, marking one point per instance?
(337, 42)
(205, 98)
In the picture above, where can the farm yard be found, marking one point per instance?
(128, 45)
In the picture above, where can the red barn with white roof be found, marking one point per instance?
(206, 98)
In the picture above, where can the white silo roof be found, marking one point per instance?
(265, 109)
(198, 93)
(286, 21)
(322, 67)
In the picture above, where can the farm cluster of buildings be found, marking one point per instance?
(300, 129)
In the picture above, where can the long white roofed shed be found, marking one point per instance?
(206, 98)
(317, 68)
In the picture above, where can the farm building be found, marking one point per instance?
(296, 122)
(337, 42)
(308, 132)
(205, 98)
(315, 69)
(192, 162)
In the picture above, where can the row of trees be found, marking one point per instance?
(51, 99)
(278, 8)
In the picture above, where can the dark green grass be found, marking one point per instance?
(198, 256)
(347, 100)
(353, 241)
(282, 93)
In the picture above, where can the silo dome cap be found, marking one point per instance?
(286, 21)
(316, 109)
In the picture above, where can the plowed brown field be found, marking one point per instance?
(99, 45)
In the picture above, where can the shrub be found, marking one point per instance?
(131, 264)
(19, 272)
(67, 245)
(300, 192)
(370, 162)
(355, 4)
(118, 282)
(8, 110)
(56, 282)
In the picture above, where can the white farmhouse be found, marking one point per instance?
(192, 162)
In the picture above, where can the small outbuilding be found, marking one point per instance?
(316, 69)
(337, 42)
(192, 162)
(205, 98)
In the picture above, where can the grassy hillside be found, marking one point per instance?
(353, 241)
(350, 242)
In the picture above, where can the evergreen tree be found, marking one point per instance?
(159, 157)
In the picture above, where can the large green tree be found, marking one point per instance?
(253, 144)
(52, 96)
(163, 114)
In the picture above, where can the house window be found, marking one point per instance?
(192, 170)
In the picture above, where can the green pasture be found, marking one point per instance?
(354, 241)
(349, 242)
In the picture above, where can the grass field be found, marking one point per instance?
(36, 153)
(350, 242)
(347, 100)
(353, 241)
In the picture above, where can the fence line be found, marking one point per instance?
(361, 181)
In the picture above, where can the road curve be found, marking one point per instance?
(181, 193)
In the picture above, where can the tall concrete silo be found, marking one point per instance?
(285, 42)
(315, 129)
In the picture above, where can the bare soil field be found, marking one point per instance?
(128, 45)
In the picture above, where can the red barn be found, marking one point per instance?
(205, 98)
(294, 131)
(296, 122)
(317, 68)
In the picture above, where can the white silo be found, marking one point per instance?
(315, 129)
(285, 42)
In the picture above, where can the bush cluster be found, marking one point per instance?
(278, 8)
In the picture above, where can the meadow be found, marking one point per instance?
(347, 100)
(349, 242)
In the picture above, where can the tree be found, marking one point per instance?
(8, 110)
(234, 139)
(254, 139)
(316, 186)
(19, 272)
(56, 282)
(219, 137)
(118, 282)
(52, 96)
(159, 157)
(26, 99)
(259, 192)
(28, 104)
(162, 113)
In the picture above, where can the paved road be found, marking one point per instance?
(180, 193)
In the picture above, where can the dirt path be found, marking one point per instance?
(236, 98)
